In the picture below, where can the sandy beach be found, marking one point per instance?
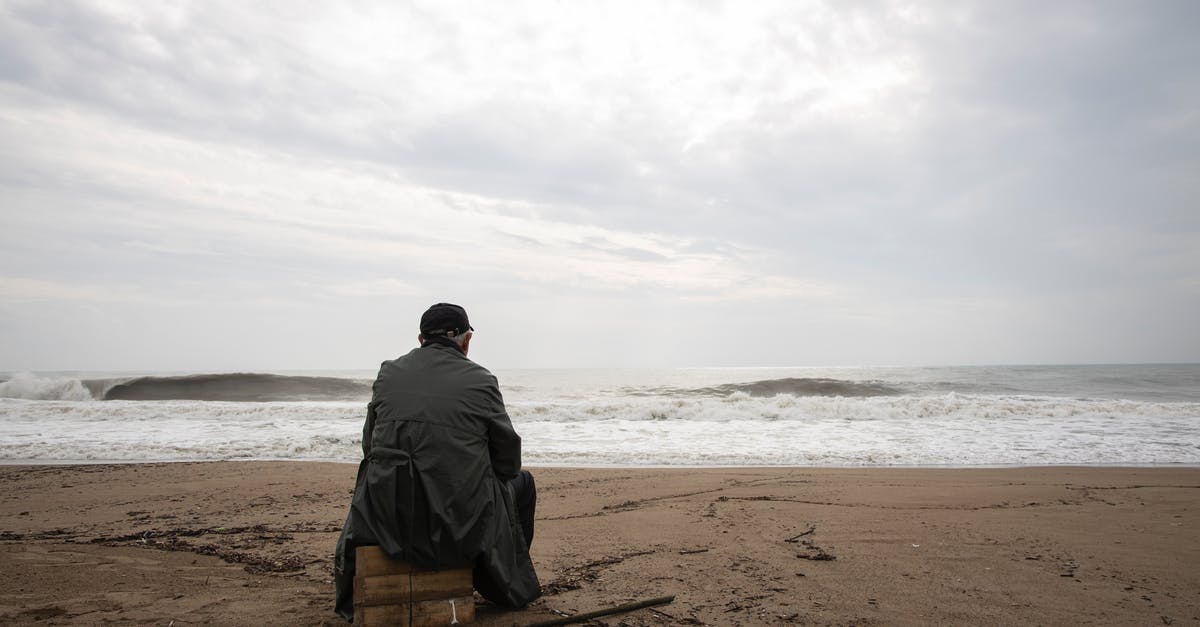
(251, 543)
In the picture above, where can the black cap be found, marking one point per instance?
(445, 319)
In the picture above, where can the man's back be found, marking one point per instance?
(438, 386)
(433, 488)
(441, 416)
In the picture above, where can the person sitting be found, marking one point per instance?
(440, 484)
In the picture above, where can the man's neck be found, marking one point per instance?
(443, 341)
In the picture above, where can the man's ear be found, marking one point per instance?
(467, 342)
(420, 339)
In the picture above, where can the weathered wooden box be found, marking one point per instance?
(392, 592)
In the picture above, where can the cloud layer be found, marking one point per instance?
(288, 185)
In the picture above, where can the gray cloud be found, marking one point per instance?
(902, 179)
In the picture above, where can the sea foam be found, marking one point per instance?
(763, 416)
(28, 386)
(949, 429)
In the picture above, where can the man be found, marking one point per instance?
(441, 485)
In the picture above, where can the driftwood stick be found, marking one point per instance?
(626, 607)
(796, 538)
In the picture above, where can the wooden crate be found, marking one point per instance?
(392, 592)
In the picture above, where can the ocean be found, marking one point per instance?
(885, 416)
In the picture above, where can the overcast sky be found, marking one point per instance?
(285, 185)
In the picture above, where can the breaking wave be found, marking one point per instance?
(807, 387)
(773, 387)
(33, 388)
(244, 387)
(238, 387)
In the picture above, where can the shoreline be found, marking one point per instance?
(277, 460)
(226, 542)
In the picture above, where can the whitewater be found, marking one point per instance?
(941, 416)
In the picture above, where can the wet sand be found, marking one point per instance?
(237, 543)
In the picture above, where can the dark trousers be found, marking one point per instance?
(525, 495)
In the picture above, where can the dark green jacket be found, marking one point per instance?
(432, 489)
